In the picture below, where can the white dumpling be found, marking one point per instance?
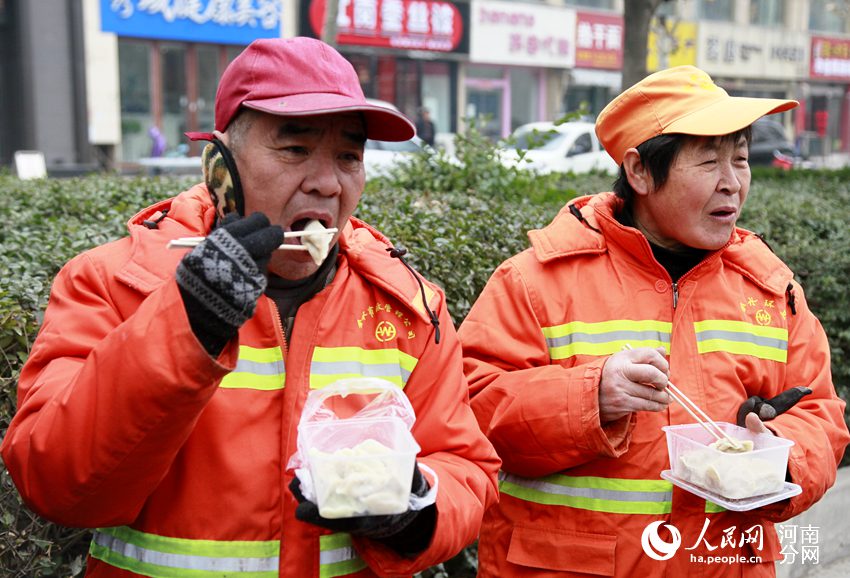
(317, 241)
(726, 446)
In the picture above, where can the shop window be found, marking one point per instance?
(721, 10)
(207, 84)
(828, 16)
(767, 12)
(436, 94)
(136, 114)
(175, 99)
(525, 93)
(607, 4)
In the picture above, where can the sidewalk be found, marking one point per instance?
(831, 517)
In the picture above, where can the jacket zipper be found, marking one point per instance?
(675, 294)
(281, 331)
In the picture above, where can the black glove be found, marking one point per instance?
(767, 409)
(221, 279)
(407, 533)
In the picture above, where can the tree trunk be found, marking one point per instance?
(637, 16)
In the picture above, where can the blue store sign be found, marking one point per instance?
(216, 21)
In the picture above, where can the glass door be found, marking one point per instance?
(484, 105)
(134, 65)
(175, 99)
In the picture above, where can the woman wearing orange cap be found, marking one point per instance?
(570, 348)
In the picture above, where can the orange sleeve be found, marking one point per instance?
(541, 417)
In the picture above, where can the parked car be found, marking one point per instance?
(380, 157)
(548, 147)
(769, 138)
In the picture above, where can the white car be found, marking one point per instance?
(380, 157)
(567, 147)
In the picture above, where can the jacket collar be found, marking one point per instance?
(192, 213)
(598, 232)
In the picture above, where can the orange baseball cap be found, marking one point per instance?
(681, 100)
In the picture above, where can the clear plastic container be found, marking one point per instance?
(728, 475)
(360, 466)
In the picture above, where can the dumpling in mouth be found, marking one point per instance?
(316, 240)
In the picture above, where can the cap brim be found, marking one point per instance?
(727, 116)
(382, 123)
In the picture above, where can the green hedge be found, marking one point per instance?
(456, 237)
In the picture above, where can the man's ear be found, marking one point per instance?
(636, 172)
(222, 136)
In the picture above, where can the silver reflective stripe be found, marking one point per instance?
(143, 560)
(358, 368)
(604, 337)
(611, 495)
(609, 337)
(541, 485)
(337, 555)
(743, 338)
(259, 367)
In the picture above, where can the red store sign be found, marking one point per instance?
(405, 24)
(599, 41)
(830, 58)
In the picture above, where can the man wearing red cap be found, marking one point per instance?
(571, 346)
(161, 400)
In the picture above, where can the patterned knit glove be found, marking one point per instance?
(221, 279)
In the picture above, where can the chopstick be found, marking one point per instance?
(706, 422)
(184, 242)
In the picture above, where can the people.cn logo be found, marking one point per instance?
(655, 547)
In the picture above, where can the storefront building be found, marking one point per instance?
(826, 116)
(519, 58)
(97, 84)
(596, 78)
(757, 62)
(406, 52)
(168, 58)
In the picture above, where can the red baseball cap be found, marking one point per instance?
(681, 100)
(299, 77)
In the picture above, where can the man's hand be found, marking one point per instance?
(767, 409)
(221, 279)
(633, 380)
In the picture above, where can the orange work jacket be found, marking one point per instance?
(576, 497)
(125, 423)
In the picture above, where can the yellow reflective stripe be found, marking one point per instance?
(164, 557)
(261, 369)
(712, 508)
(610, 495)
(330, 364)
(416, 301)
(337, 556)
(605, 337)
(742, 338)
